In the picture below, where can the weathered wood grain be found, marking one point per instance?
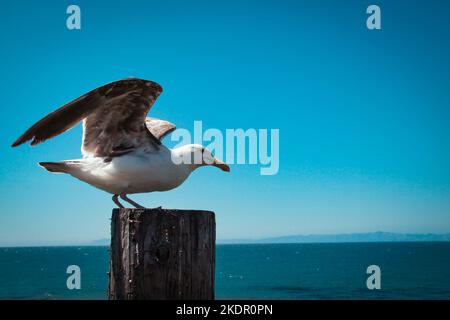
(162, 254)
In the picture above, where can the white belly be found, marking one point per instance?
(133, 173)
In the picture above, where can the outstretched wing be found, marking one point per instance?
(114, 119)
(159, 128)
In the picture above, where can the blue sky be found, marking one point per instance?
(363, 115)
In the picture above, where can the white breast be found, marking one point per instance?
(135, 173)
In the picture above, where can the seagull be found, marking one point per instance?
(121, 147)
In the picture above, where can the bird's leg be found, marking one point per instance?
(137, 205)
(115, 198)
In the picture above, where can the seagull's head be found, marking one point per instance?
(196, 155)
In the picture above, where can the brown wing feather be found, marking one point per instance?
(159, 128)
(114, 118)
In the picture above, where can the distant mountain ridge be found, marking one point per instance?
(327, 238)
(100, 242)
(344, 238)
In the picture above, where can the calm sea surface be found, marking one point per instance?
(266, 271)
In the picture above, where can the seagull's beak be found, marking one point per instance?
(221, 165)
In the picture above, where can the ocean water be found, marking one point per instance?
(261, 271)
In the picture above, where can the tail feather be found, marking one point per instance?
(61, 166)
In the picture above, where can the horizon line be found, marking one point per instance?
(413, 237)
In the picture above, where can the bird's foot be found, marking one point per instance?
(115, 198)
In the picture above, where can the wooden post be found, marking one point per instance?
(162, 254)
